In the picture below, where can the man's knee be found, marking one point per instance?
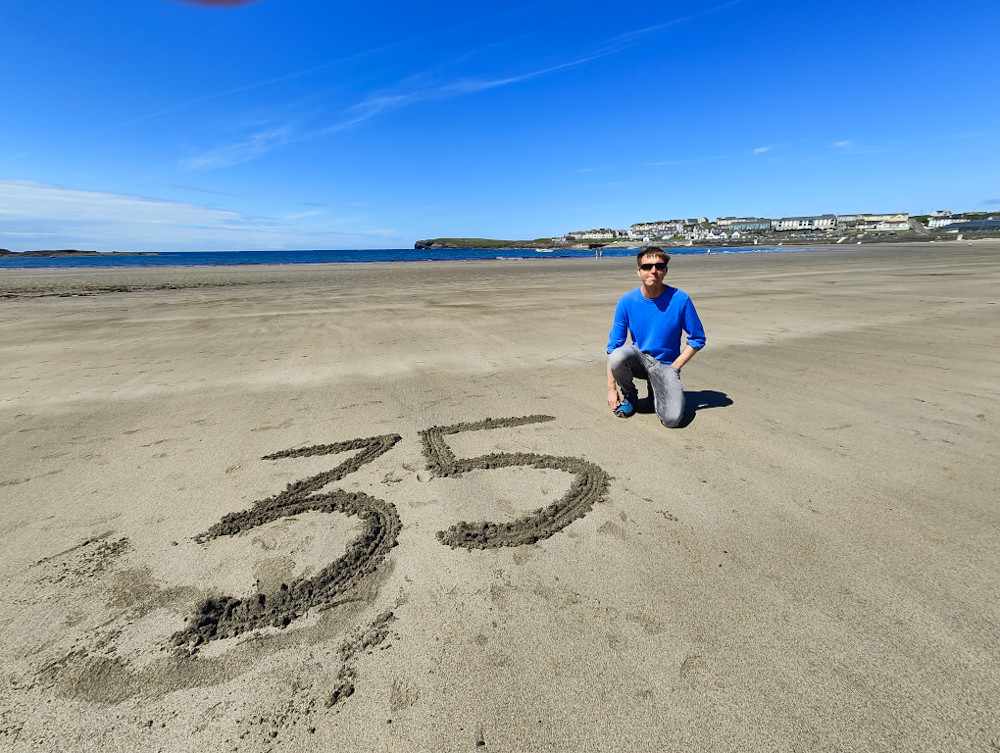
(619, 356)
(670, 400)
(671, 419)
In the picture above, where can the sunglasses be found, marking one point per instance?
(658, 266)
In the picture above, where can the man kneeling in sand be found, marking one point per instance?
(655, 314)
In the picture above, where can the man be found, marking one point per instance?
(654, 314)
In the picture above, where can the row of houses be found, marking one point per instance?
(972, 221)
(600, 234)
(818, 223)
(725, 227)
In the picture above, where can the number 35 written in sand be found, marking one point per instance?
(227, 616)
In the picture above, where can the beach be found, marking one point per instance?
(234, 502)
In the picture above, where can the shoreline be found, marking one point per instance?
(47, 281)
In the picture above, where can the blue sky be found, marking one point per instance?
(171, 125)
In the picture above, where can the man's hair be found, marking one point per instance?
(656, 251)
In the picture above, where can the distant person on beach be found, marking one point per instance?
(654, 314)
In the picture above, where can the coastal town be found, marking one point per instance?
(814, 226)
(744, 231)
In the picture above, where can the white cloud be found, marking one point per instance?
(27, 201)
(843, 144)
(761, 149)
(35, 216)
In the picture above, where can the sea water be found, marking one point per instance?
(388, 255)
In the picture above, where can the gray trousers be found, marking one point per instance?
(628, 363)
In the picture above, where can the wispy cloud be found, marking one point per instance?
(28, 200)
(246, 87)
(417, 89)
(690, 161)
(422, 87)
(181, 187)
(255, 145)
(633, 37)
(976, 134)
(850, 146)
(36, 215)
(299, 74)
(303, 215)
(782, 147)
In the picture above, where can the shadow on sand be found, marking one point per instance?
(694, 401)
(699, 400)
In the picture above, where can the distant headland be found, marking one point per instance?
(64, 252)
(494, 243)
(58, 252)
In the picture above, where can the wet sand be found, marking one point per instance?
(385, 507)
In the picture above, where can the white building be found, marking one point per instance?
(875, 219)
(730, 221)
(943, 220)
(894, 227)
(897, 221)
(815, 222)
(659, 229)
(603, 234)
(752, 225)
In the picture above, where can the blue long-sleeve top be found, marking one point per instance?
(656, 324)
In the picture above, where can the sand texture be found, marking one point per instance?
(385, 507)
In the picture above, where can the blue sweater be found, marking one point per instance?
(656, 324)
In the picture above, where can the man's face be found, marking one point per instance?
(651, 270)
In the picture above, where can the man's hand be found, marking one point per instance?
(613, 401)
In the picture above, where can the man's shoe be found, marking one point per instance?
(627, 406)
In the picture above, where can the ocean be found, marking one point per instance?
(391, 255)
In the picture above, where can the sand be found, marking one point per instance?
(385, 507)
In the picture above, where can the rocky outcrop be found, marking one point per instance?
(60, 252)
